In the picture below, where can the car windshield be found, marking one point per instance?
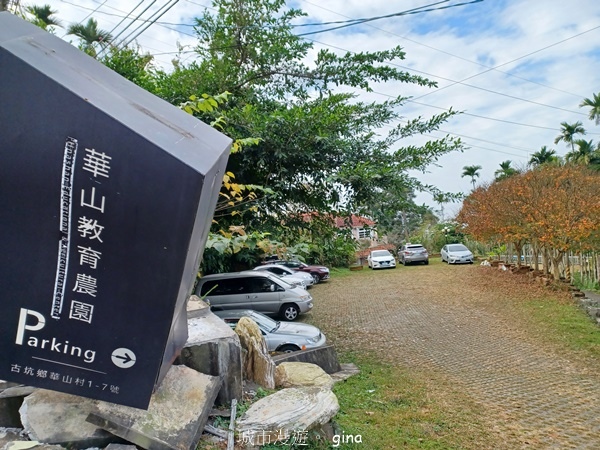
(457, 248)
(264, 322)
(381, 253)
(414, 247)
(280, 281)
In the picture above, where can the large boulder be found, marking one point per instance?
(298, 374)
(325, 357)
(213, 348)
(176, 415)
(58, 418)
(258, 365)
(291, 410)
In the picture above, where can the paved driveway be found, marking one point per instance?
(453, 320)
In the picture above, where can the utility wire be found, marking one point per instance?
(417, 10)
(160, 13)
(454, 55)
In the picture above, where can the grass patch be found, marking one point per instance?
(565, 325)
(391, 408)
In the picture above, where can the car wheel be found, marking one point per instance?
(288, 348)
(315, 277)
(289, 312)
(426, 262)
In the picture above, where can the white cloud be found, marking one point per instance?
(447, 45)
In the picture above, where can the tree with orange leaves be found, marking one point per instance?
(551, 207)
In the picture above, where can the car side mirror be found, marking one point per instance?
(272, 288)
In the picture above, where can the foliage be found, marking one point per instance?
(543, 156)
(43, 17)
(233, 250)
(553, 207)
(91, 36)
(318, 240)
(318, 148)
(131, 63)
(471, 171)
(505, 170)
(594, 105)
(568, 131)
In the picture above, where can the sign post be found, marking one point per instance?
(106, 196)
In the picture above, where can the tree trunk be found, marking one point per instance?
(567, 264)
(518, 249)
(556, 257)
(545, 267)
(535, 255)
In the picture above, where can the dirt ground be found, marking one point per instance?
(462, 326)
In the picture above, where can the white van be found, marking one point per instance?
(261, 291)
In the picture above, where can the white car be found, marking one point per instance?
(302, 279)
(456, 254)
(279, 336)
(381, 259)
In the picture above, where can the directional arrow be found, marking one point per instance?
(123, 358)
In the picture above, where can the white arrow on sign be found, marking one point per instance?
(123, 358)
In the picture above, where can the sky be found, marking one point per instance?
(515, 69)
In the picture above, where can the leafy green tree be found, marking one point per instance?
(543, 156)
(90, 35)
(586, 153)
(318, 149)
(471, 171)
(505, 170)
(43, 17)
(594, 105)
(568, 133)
(131, 63)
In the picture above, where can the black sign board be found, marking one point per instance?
(106, 198)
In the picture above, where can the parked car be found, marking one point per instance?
(381, 259)
(412, 253)
(258, 290)
(279, 336)
(302, 279)
(319, 273)
(456, 253)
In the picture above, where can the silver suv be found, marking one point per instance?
(412, 253)
(261, 291)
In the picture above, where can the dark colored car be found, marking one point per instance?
(319, 273)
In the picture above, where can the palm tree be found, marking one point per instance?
(543, 156)
(440, 199)
(585, 154)
(505, 170)
(568, 132)
(42, 16)
(471, 171)
(594, 104)
(90, 35)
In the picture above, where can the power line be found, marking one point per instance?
(417, 10)
(452, 54)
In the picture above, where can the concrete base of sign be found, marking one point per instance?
(325, 357)
(176, 415)
(213, 348)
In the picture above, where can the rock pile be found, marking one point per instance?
(211, 370)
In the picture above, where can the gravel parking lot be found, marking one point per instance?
(461, 324)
